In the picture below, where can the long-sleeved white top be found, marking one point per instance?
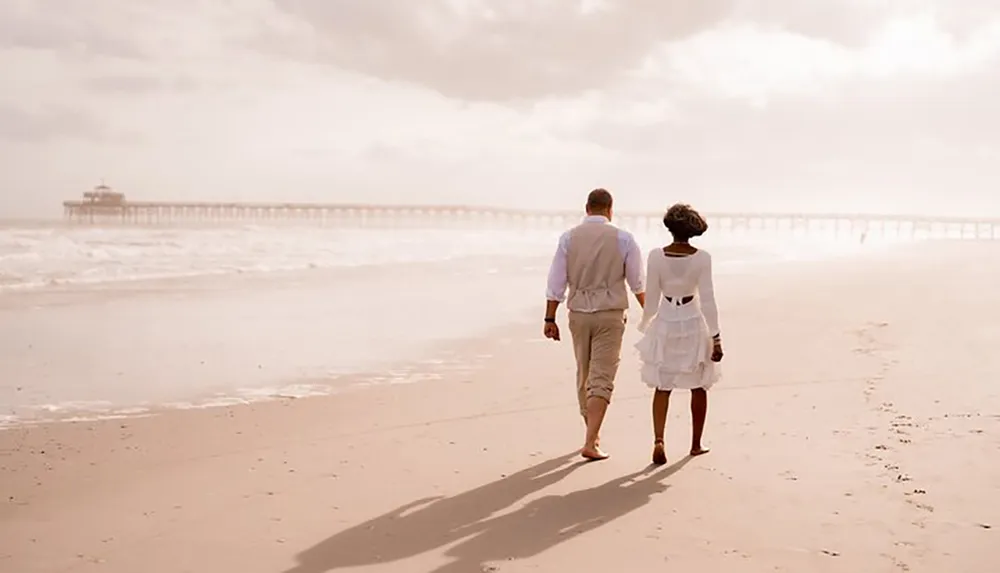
(678, 277)
(559, 274)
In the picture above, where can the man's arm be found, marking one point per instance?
(550, 310)
(635, 269)
(555, 292)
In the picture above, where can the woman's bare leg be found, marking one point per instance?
(661, 402)
(699, 411)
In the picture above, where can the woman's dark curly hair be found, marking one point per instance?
(684, 222)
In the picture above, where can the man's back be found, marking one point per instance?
(594, 261)
(595, 268)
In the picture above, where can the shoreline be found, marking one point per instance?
(278, 289)
(314, 310)
(833, 449)
(439, 359)
(413, 367)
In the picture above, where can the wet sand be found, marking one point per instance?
(72, 352)
(857, 429)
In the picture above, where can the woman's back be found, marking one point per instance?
(680, 274)
(673, 277)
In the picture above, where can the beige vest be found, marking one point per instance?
(596, 269)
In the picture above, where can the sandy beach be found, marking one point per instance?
(857, 429)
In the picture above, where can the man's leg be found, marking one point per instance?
(581, 350)
(605, 355)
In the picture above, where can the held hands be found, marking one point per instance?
(551, 331)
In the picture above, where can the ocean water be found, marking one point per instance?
(54, 255)
(58, 255)
(105, 322)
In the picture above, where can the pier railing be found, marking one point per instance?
(361, 215)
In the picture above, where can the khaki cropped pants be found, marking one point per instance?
(597, 344)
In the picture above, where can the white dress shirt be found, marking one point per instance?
(559, 275)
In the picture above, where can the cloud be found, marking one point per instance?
(753, 63)
(494, 50)
(917, 145)
(766, 102)
(848, 23)
(70, 26)
(136, 84)
(500, 50)
(40, 126)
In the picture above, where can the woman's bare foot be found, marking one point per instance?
(698, 451)
(594, 454)
(659, 454)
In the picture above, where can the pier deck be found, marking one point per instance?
(352, 215)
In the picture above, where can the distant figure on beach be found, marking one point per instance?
(681, 345)
(594, 260)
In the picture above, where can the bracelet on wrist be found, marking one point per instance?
(550, 319)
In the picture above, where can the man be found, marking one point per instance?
(594, 260)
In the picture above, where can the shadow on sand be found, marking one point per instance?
(432, 523)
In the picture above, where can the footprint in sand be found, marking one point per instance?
(921, 506)
(901, 565)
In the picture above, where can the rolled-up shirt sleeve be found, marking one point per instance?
(635, 267)
(558, 272)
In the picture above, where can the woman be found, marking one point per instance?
(680, 347)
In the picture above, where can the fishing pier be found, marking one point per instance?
(103, 206)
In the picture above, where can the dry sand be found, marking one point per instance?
(857, 429)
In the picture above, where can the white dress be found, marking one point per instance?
(676, 347)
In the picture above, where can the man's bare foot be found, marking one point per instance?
(594, 454)
(698, 451)
(659, 454)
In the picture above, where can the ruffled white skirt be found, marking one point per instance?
(675, 351)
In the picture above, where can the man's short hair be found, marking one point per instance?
(599, 200)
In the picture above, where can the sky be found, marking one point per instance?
(842, 106)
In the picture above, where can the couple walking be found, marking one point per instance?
(680, 348)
